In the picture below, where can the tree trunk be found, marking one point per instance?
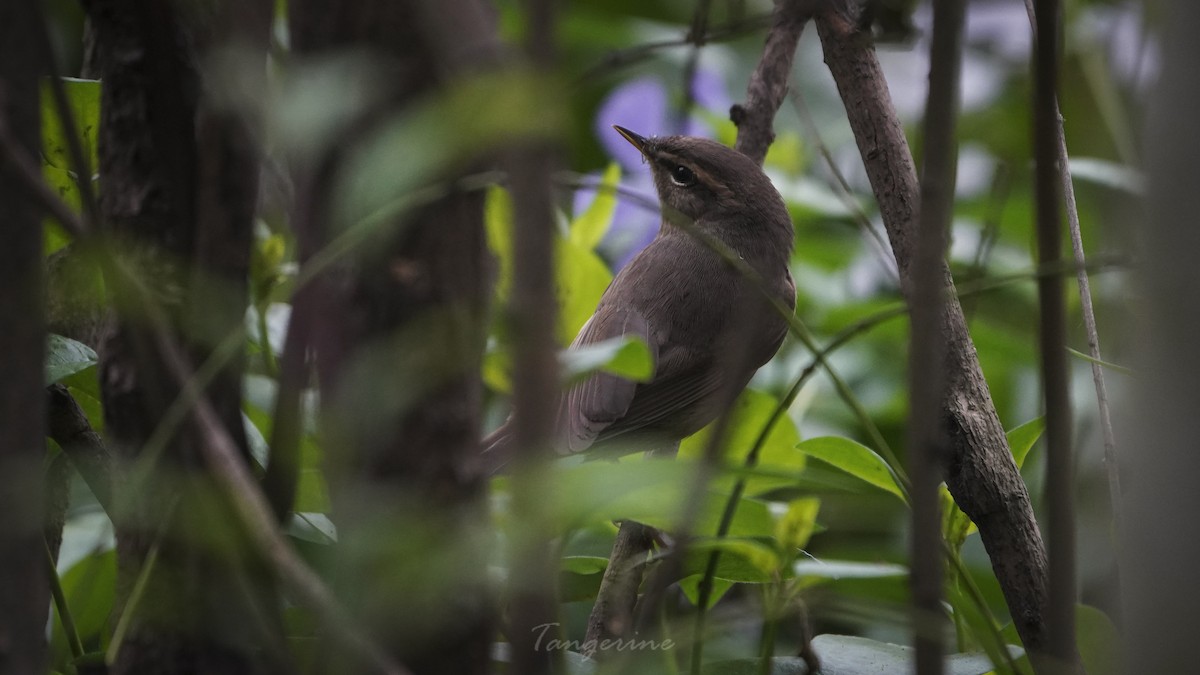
(398, 346)
(24, 588)
(178, 186)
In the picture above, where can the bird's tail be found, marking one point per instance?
(497, 450)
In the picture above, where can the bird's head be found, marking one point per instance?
(710, 184)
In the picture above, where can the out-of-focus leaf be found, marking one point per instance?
(83, 99)
(850, 655)
(1108, 174)
(580, 275)
(855, 459)
(795, 527)
(589, 227)
(691, 589)
(846, 569)
(65, 357)
(627, 356)
(581, 279)
(750, 415)
(1022, 438)
(498, 224)
(1098, 640)
(740, 560)
(583, 564)
(313, 527)
(89, 587)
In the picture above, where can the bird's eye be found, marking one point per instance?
(682, 176)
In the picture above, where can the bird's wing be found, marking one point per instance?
(601, 399)
(683, 381)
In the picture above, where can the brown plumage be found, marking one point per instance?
(708, 328)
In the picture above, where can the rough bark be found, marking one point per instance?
(24, 590)
(398, 352)
(177, 190)
(981, 474)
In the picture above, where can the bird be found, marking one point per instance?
(708, 326)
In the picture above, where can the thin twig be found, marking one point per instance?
(1111, 462)
(927, 442)
(841, 185)
(1052, 334)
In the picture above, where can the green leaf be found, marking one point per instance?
(741, 560)
(498, 225)
(581, 277)
(590, 226)
(83, 99)
(750, 415)
(1022, 438)
(855, 459)
(691, 588)
(89, 590)
(627, 356)
(846, 569)
(793, 530)
(65, 357)
(1098, 640)
(583, 564)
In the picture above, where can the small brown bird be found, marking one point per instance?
(708, 328)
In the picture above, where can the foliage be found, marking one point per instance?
(819, 517)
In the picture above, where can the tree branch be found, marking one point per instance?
(981, 473)
(769, 82)
(927, 447)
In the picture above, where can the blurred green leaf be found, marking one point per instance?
(750, 415)
(1022, 438)
(846, 569)
(498, 224)
(89, 588)
(65, 357)
(627, 356)
(1098, 640)
(855, 459)
(741, 560)
(581, 277)
(691, 589)
(83, 99)
(589, 227)
(795, 527)
(1109, 174)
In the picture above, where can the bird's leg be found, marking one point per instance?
(612, 616)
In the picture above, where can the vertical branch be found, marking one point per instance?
(1111, 463)
(769, 82)
(534, 565)
(980, 473)
(1060, 492)
(927, 447)
(24, 595)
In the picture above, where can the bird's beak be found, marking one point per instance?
(635, 140)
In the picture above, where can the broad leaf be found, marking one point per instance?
(855, 459)
(589, 227)
(65, 357)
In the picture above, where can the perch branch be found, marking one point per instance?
(981, 474)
